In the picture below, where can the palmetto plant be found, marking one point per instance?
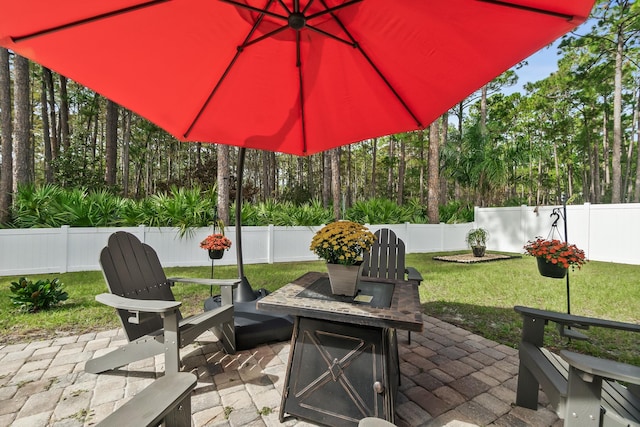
(382, 211)
(52, 206)
(39, 207)
(185, 208)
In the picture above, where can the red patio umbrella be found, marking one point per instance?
(295, 76)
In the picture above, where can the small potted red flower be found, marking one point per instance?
(555, 256)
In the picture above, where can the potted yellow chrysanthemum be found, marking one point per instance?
(342, 244)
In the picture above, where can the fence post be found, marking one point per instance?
(587, 232)
(270, 244)
(524, 225)
(64, 245)
(407, 237)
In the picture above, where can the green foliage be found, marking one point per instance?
(183, 208)
(477, 237)
(384, 211)
(71, 169)
(41, 295)
(53, 206)
(456, 212)
(39, 207)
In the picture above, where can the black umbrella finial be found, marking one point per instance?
(297, 21)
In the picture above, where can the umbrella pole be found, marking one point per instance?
(244, 291)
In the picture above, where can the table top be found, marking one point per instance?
(300, 298)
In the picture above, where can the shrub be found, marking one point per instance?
(41, 295)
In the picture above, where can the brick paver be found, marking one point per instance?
(449, 377)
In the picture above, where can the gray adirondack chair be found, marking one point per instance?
(149, 314)
(584, 390)
(386, 260)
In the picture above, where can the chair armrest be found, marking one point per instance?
(130, 304)
(596, 367)
(575, 321)
(208, 282)
(413, 274)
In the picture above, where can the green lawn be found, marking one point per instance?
(478, 297)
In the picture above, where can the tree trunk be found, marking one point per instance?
(21, 148)
(53, 125)
(401, 173)
(483, 111)
(616, 164)
(335, 182)
(64, 114)
(444, 135)
(390, 178)
(349, 186)
(433, 174)
(636, 192)
(126, 141)
(605, 155)
(326, 179)
(6, 138)
(46, 131)
(421, 189)
(223, 183)
(265, 175)
(374, 160)
(111, 143)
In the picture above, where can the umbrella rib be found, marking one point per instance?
(227, 70)
(265, 36)
(332, 9)
(87, 20)
(375, 68)
(257, 9)
(304, 11)
(331, 36)
(284, 6)
(530, 9)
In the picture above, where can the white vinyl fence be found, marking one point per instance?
(65, 249)
(606, 233)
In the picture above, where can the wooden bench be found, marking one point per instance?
(583, 389)
(167, 400)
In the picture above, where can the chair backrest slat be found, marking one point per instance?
(132, 269)
(386, 258)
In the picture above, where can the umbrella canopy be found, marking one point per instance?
(293, 76)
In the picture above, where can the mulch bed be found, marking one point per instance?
(471, 259)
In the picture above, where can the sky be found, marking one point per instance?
(540, 66)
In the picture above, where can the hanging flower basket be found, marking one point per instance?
(216, 253)
(216, 244)
(554, 257)
(548, 269)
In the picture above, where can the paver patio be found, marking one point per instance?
(450, 377)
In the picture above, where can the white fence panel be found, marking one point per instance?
(606, 233)
(290, 244)
(614, 233)
(32, 251)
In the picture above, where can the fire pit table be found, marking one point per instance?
(343, 365)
